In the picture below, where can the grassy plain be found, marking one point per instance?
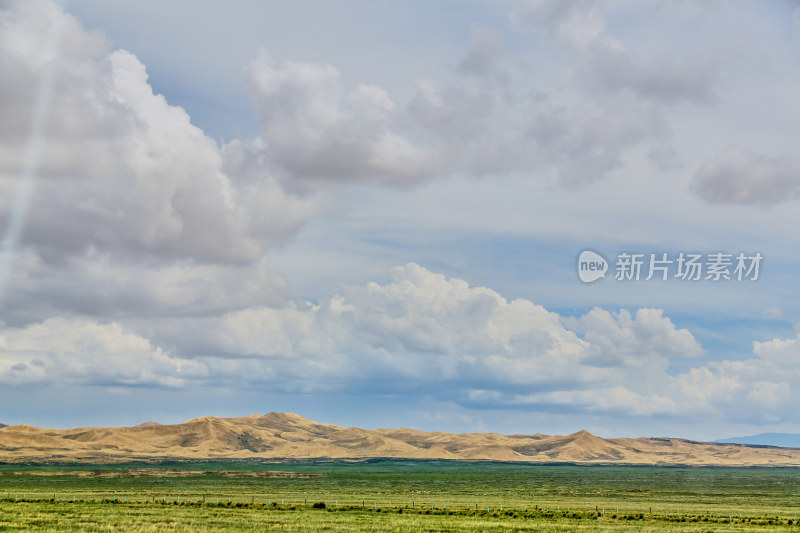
(395, 496)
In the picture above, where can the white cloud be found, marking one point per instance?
(759, 389)
(635, 341)
(705, 387)
(314, 138)
(135, 210)
(98, 284)
(128, 171)
(769, 395)
(492, 114)
(89, 353)
(424, 333)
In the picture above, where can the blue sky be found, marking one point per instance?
(370, 213)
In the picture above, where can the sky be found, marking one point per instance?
(371, 213)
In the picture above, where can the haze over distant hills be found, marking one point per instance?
(277, 436)
(787, 440)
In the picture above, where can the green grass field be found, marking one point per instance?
(395, 496)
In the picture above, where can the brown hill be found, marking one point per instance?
(276, 436)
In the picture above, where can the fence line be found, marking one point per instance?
(431, 505)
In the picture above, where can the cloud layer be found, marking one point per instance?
(419, 333)
(144, 260)
(133, 205)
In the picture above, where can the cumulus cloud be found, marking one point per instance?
(86, 352)
(314, 136)
(627, 92)
(758, 389)
(129, 171)
(487, 127)
(419, 332)
(495, 112)
(623, 339)
(135, 210)
(99, 285)
(738, 176)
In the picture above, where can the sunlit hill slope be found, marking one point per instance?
(278, 436)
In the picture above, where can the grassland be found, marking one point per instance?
(395, 496)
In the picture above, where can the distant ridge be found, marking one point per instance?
(3, 425)
(785, 440)
(148, 423)
(287, 436)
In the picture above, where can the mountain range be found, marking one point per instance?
(287, 436)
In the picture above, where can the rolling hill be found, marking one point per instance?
(281, 436)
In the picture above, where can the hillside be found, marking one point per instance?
(289, 436)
